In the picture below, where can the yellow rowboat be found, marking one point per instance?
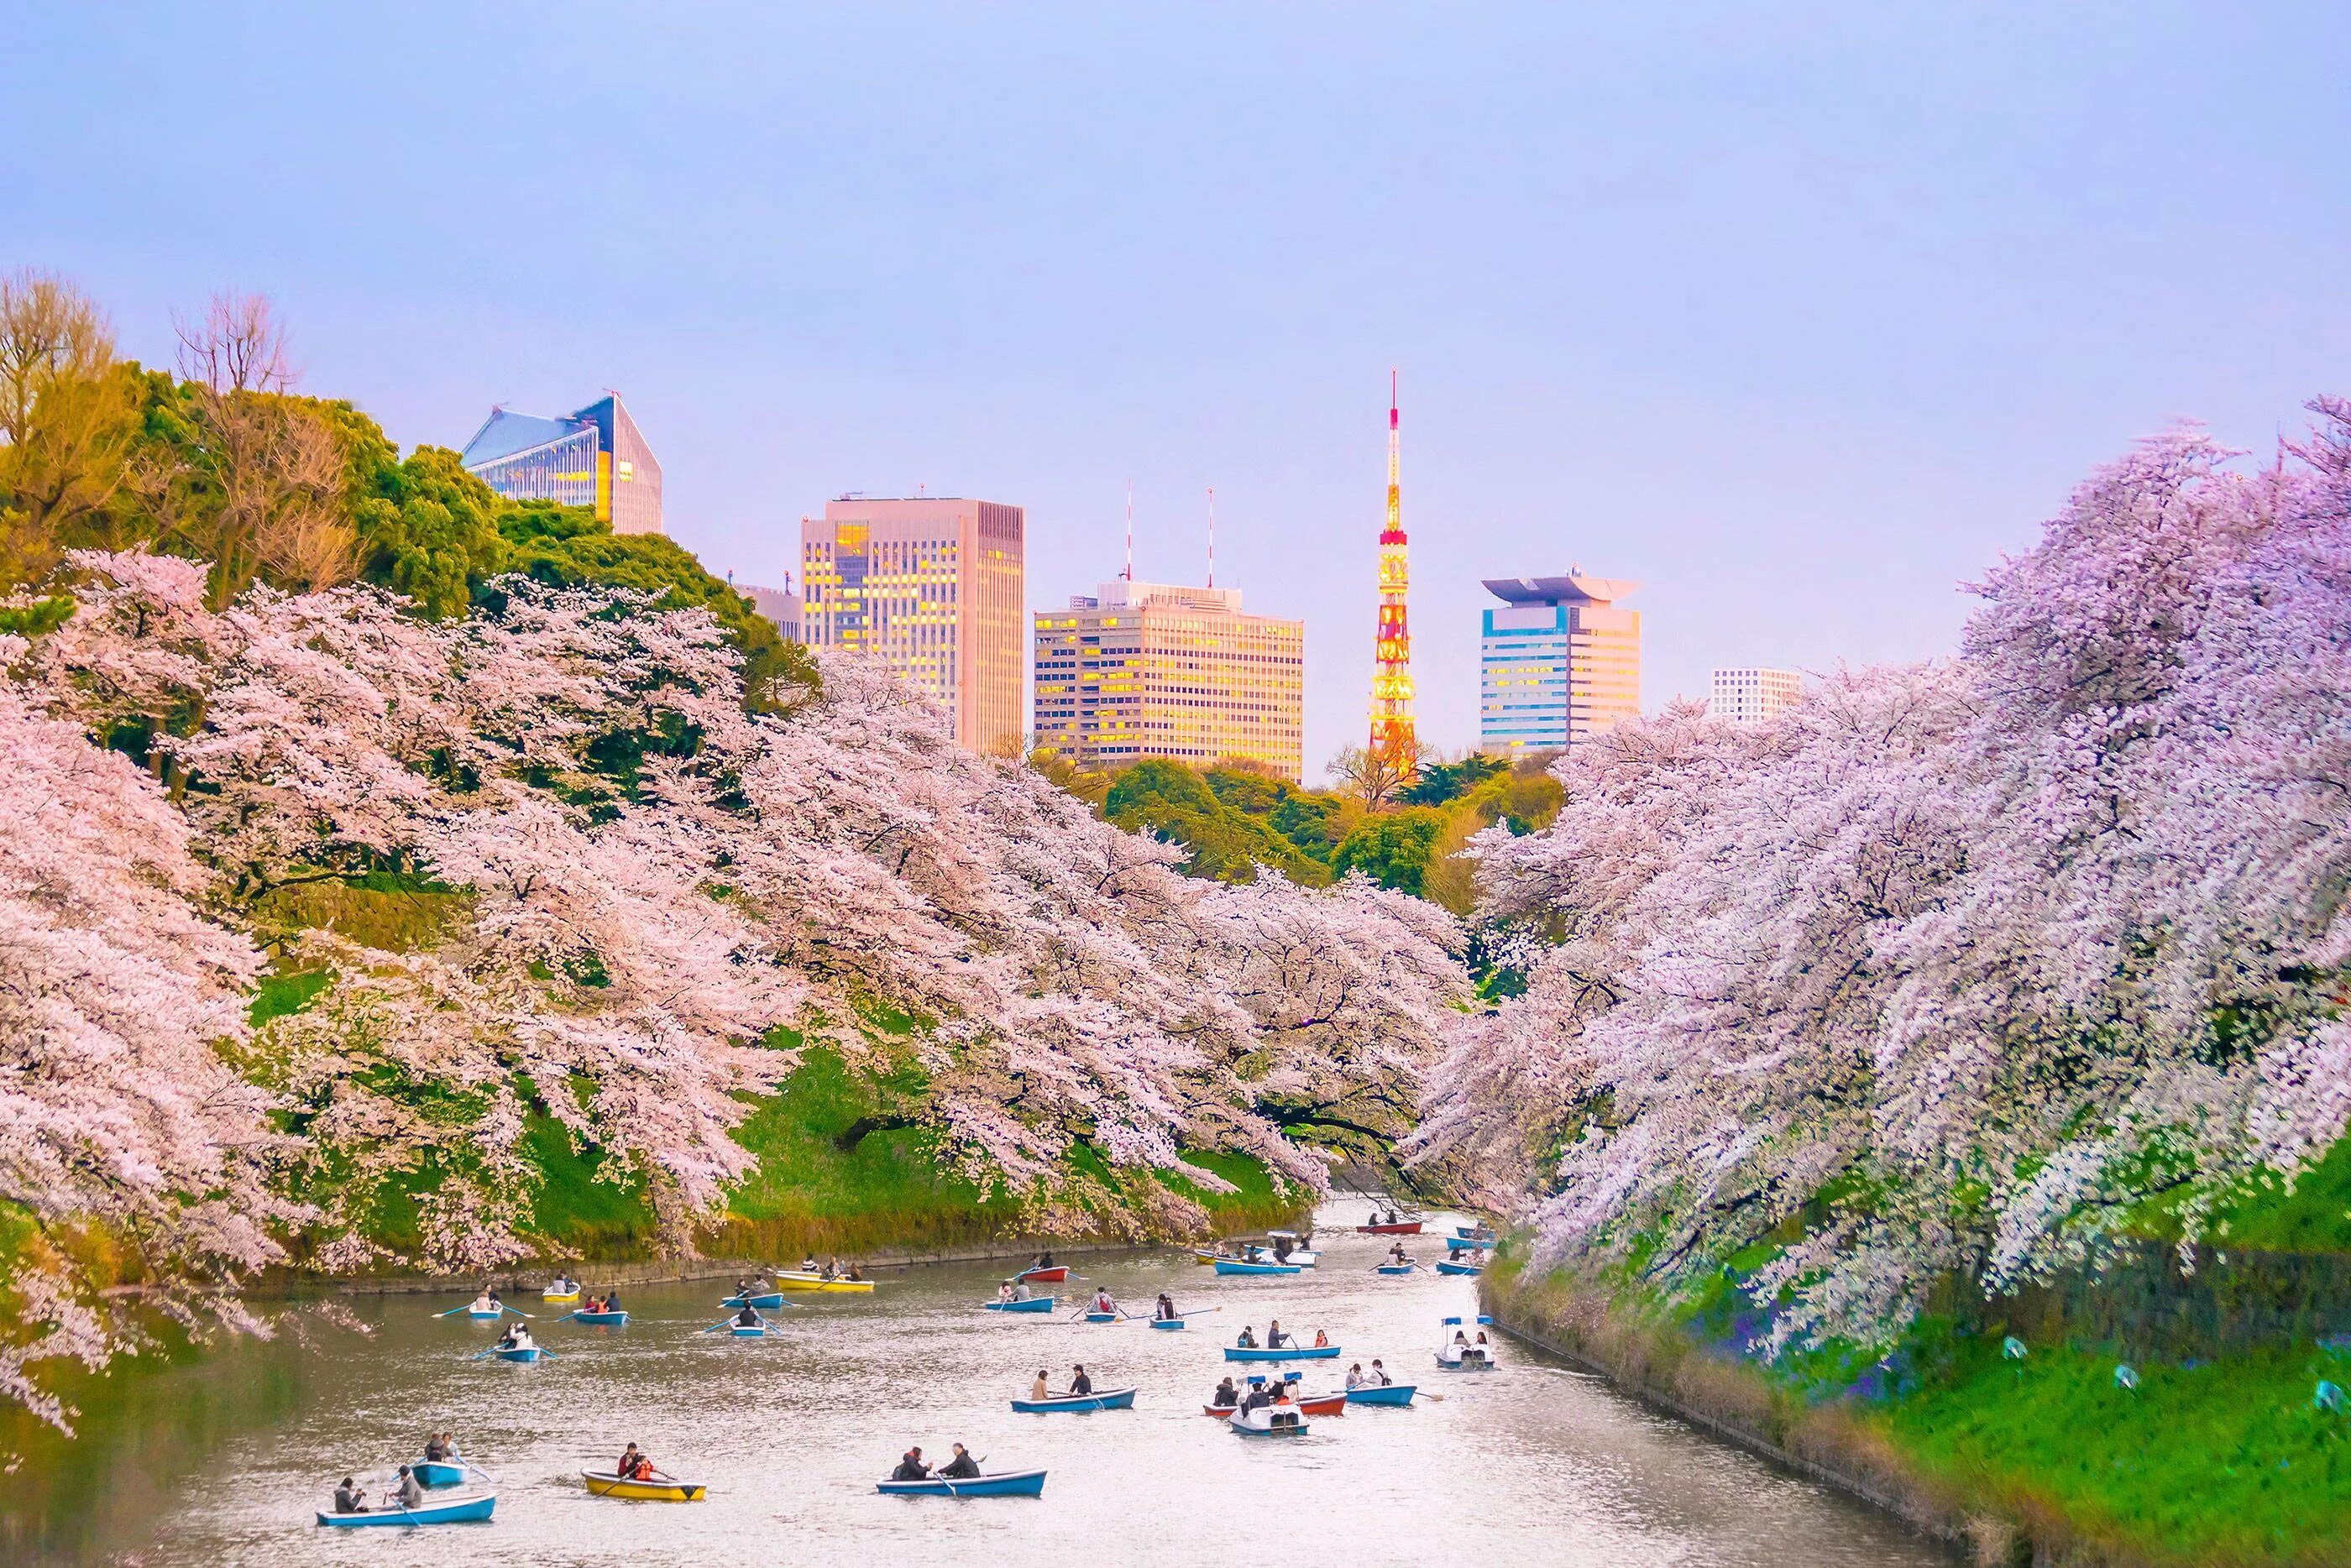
(1203, 1256)
(796, 1280)
(559, 1296)
(605, 1483)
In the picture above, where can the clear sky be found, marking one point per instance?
(1798, 314)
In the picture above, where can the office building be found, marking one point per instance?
(780, 605)
(593, 457)
(1148, 670)
(933, 585)
(1751, 695)
(1559, 662)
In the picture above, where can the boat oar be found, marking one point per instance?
(479, 1354)
(517, 1310)
(454, 1311)
(714, 1328)
(567, 1317)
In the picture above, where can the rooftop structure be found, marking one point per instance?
(593, 457)
(1559, 663)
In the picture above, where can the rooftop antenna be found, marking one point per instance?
(1130, 530)
(1212, 535)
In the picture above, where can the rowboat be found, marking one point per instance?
(1035, 1303)
(1101, 1399)
(611, 1319)
(434, 1473)
(1011, 1483)
(1205, 1255)
(1382, 1394)
(1233, 1266)
(1395, 1268)
(1448, 1267)
(797, 1280)
(1269, 1421)
(764, 1299)
(1467, 1243)
(1053, 1275)
(552, 1294)
(1102, 1317)
(1323, 1404)
(1218, 1410)
(456, 1510)
(748, 1329)
(1478, 1234)
(1400, 1228)
(1167, 1323)
(481, 1316)
(525, 1354)
(1287, 1353)
(604, 1483)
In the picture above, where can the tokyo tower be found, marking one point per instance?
(1392, 737)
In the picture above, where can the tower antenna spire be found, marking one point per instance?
(1391, 739)
(1212, 535)
(1130, 530)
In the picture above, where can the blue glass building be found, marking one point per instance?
(594, 457)
(1558, 663)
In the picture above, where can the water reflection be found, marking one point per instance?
(1534, 1464)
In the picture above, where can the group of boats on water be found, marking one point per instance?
(1271, 1405)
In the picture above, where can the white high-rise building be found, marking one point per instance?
(1751, 694)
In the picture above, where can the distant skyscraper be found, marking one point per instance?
(1391, 726)
(780, 605)
(593, 457)
(1145, 669)
(934, 587)
(1561, 663)
(1751, 695)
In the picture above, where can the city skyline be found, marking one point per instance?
(1705, 303)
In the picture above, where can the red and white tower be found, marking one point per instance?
(1392, 736)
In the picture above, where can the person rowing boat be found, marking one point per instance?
(410, 1490)
(963, 1467)
(1102, 1301)
(1079, 1384)
(1277, 1337)
(1355, 1378)
(516, 1337)
(748, 1317)
(1164, 1309)
(484, 1303)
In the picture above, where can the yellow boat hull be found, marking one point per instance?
(572, 1297)
(799, 1281)
(643, 1491)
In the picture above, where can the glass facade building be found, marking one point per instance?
(935, 586)
(594, 457)
(1559, 662)
(1148, 669)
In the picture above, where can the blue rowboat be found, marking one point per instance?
(1287, 1353)
(526, 1354)
(1167, 1323)
(1040, 1303)
(1102, 1317)
(1386, 1394)
(1012, 1483)
(609, 1318)
(1450, 1267)
(484, 1316)
(1233, 1266)
(456, 1510)
(1467, 1243)
(1103, 1400)
(1397, 1268)
(766, 1299)
(434, 1473)
(750, 1330)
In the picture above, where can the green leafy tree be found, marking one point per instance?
(1393, 849)
(1226, 843)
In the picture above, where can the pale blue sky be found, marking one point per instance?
(1799, 314)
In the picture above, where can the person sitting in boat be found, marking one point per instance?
(748, 1317)
(1226, 1397)
(1102, 1301)
(1248, 1340)
(1021, 1292)
(1395, 1254)
(1045, 1258)
(486, 1302)
(1043, 1388)
(435, 1451)
(1004, 1292)
(411, 1490)
(808, 1264)
(1276, 1336)
(510, 1339)
(350, 1498)
(629, 1459)
(911, 1467)
(853, 1273)
(1281, 1249)
(1322, 1340)
(832, 1268)
(1256, 1399)
(611, 1300)
(643, 1471)
(1164, 1310)
(1356, 1374)
(1379, 1373)
(1079, 1384)
(1461, 1339)
(963, 1467)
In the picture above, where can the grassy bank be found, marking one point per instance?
(2044, 1460)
